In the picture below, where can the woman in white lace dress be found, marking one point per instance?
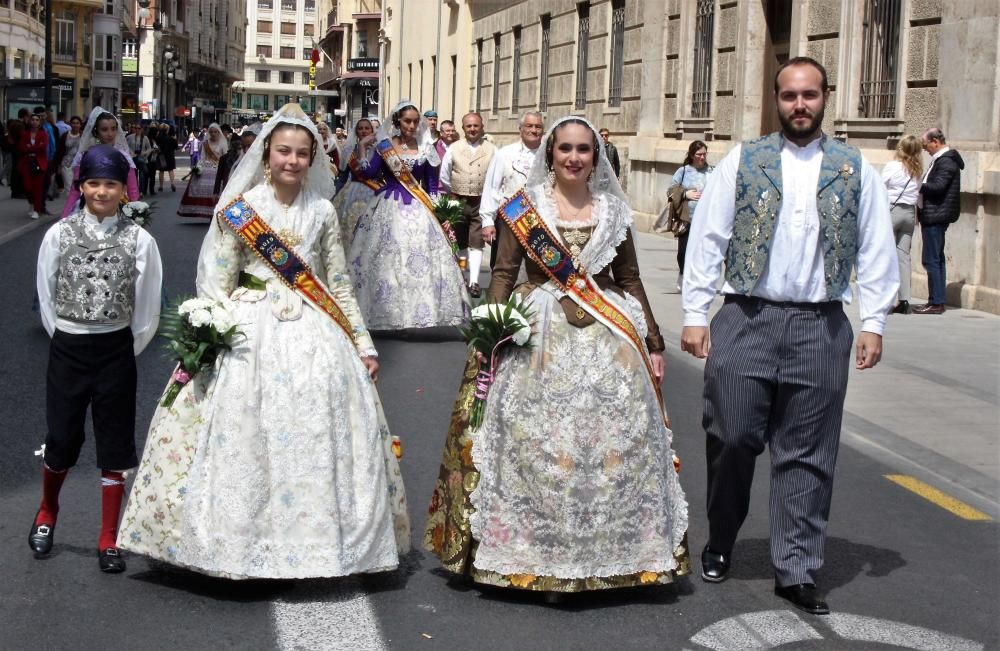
(199, 197)
(569, 484)
(405, 274)
(355, 197)
(278, 462)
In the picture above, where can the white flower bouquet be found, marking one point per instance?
(197, 330)
(493, 327)
(139, 212)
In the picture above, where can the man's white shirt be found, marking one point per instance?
(794, 270)
(506, 174)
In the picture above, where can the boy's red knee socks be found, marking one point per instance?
(52, 482)
(112, 494)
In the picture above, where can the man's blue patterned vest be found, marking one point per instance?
(96, 281)
(758, 202)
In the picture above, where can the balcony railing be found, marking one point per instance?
(64, 50)
(327, 72)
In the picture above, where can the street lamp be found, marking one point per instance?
(171, 63)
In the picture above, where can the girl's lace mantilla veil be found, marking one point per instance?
(87, 139)
(425, 141)
(249, 172)
(603, 180)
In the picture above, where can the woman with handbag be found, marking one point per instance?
(902, 182)
(167, 142)
(33, 163)
(141, 148)
(569, 483)
(688, 182)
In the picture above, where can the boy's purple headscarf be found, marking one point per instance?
(103, 162)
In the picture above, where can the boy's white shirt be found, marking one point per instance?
(148, 285)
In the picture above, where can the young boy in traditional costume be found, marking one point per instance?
(99, 282)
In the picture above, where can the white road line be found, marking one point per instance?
(761, 630)
(772, 628)
(335, 617)
(870, 629)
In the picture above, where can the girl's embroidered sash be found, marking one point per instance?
(240, 216)
(355, 165)
(405, 178)
(548, 252)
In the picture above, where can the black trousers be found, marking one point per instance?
(777, 377)
(96, 371)
(682, 245)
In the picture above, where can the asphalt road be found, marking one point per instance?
(900, 572)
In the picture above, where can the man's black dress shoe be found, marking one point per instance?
(40, 538)
(714, 566)
(803, 596)
(902, 307)
(111, 561)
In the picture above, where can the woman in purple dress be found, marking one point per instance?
(405, 274)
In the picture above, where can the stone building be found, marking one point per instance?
(660, 73)
(347, 78)
(22, 54)
(281, 35)
(181, 58)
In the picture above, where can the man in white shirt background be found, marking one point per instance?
(507, 174)
(791, 214)
(463, 175)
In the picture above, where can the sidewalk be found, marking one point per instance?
(14, 220)
(931, 407)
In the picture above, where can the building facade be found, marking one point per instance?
(181, 58)
(348, 74)
(280, 39)
(661, 73)
(72, 64)
(22, 55)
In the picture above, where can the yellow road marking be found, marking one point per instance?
(931, 494)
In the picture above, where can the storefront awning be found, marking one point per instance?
(359, 75)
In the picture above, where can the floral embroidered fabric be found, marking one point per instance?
(404, 272)
(278, 463)
(569, 484)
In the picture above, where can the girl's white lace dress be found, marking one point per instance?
(277, 463)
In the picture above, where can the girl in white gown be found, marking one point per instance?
(276, 463)
(405, 274)
(355, 197)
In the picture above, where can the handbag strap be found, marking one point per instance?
(900, 195)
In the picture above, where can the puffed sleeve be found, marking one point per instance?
(508, 264)
(45, 278)
(372, 169)
(220, 261)
(625, 270)
(73, 200)
(431, 179)
(148, 292)
(338, 281)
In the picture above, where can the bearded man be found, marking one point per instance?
(791, 214)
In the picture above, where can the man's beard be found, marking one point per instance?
(797, 133)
